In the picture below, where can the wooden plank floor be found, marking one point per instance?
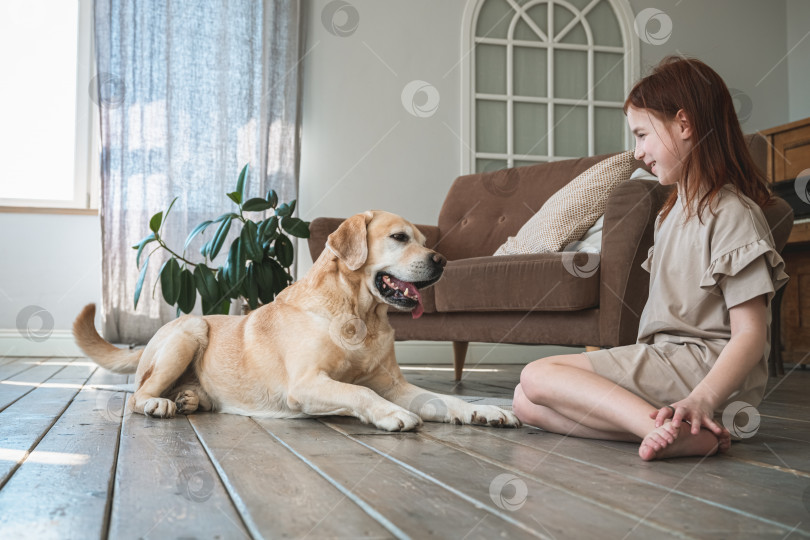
(74, 464)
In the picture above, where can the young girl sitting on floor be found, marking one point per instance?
(703, 338)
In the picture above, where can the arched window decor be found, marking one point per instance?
(545, 80)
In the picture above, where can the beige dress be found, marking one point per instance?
(697, 272)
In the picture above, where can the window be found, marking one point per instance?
(49, 121)
(546, 80)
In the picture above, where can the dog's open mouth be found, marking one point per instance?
(402, 294)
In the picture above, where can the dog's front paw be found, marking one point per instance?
(398, 420)
(159, 408)
(489, 415)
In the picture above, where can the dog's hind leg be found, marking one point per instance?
(172, 354)
(190, 398)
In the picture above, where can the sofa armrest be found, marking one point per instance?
(321, 228)
(627, 235)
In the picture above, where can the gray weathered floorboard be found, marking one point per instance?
(395, 492)
(68, 464)
(70, 470)
(278, 494)
(544, 507)
(639, 498)
(23, 423)
(165, 485)
(22, 379)
(713, 483)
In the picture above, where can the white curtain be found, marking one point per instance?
(189, 92)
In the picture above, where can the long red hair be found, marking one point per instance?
(719, 155)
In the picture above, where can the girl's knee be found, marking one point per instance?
(521, 405)
(534, 379)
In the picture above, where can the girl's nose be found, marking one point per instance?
(638, 153)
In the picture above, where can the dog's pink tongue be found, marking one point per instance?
(413, 292)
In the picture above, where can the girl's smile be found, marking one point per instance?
(661, 145)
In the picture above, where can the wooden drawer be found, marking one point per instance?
(789, 151)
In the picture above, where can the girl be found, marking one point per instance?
(703, 337)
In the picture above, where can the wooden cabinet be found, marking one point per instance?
(788, 157)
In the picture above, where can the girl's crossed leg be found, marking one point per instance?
(564, 395)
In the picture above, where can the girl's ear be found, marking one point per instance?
(685, 128)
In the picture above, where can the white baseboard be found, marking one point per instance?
(441, 352)
(60, 344)
(57, 343)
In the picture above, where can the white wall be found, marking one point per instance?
(798, 61)
(53, 262)
(743, 40)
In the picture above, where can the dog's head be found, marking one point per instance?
(390, 255)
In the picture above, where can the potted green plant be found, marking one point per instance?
(258, 264)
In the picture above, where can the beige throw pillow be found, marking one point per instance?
(570, 212)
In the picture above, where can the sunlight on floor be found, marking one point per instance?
(43, 385)
(475, 370)
(60, 363)
(46, 458)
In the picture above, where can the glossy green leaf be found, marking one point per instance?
(226, 215)
(235, 197)
(283, 210)
(206, 248)
(284, 250)
(296, 227)
(139, 284)
(141, 245)
(197, 230)
(166, 215)
(226, 290)
(188, 293)
(272, 197)
(292, 206)
(155, 221)
(252, 287)
(236, 263)
(241, 182)
(219, 237)
(170, 281)
(248, 236)
(279, 279)
(269, 229)
(264, 280)
(256, 205)
(206, 283)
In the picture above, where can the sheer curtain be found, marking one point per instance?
(189, 92)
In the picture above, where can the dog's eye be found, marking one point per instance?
(400, 237)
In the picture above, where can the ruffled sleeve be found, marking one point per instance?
(745, 272)
(646, 265)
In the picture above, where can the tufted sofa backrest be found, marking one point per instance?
(482, 210)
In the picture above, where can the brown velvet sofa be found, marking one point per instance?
(540, 299)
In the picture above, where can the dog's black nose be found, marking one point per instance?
(439, 260)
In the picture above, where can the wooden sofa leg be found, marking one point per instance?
(459, 356)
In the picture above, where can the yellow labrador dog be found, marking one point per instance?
(323, 347)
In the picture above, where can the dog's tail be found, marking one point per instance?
(102, 352)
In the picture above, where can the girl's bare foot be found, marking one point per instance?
(668, 441)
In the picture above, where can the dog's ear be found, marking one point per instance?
(349, 243)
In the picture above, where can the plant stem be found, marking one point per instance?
(175, 255)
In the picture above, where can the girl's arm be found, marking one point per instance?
(738, 358)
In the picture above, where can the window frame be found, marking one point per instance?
(86, 190)
(625, 19)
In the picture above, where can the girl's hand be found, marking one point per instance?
(692, 410)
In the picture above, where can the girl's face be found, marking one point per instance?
(661, 145)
